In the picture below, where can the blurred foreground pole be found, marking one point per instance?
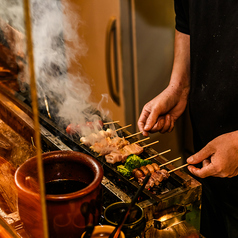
(35, 115)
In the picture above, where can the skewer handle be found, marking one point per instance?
(153, 156)
(180, 167)
(166, 151)
(133, 135)
(150, 144)
(110, 122)
(141, 140)
(171, 161)
(121, 128)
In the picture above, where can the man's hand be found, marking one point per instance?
(219, 157)
(161, 112)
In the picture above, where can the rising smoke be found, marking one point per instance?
(54, 24)
(68, 95)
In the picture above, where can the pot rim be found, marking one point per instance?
(126, 224)
(98, 171)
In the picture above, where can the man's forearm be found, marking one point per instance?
(180, 76)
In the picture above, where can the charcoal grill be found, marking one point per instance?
(179, 196)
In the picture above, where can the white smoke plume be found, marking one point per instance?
(11, 11)
(55, 40)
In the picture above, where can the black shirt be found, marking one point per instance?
(213, 100)
(213, 29)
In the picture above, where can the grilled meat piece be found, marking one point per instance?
(133, 149)
(107, 145)
(157, 175)
(145, 170)
(120, 155)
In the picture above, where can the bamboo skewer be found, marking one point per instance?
(47, 106)
(166, 151)
(171, 161)
(32, 141)
(150, 144)
(110, 122)
(180, 167)
(133, 135)
(140, 140)
(123, 127)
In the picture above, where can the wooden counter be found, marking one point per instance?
(14, 150)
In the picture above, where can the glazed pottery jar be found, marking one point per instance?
(73, 193)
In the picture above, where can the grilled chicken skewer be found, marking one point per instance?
(157, 175)
(121, 154)
(115, 153)
(93, 137)
(115, 149)
(97, 137)
(161, 165)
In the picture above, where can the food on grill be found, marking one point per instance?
(123, 170)
(139, 168)
(107, 145)
(122, 154)
(116, 149)
(133, 161)
(92, 138)
(156, 166)
(150, 168)
(133, 149)
(77, 128)
(157, 175)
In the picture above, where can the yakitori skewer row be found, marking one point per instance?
(157, 174)
(157, 166)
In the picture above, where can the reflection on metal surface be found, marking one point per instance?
(171, 217)
(179, 230)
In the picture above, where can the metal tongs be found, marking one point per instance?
(117, 230)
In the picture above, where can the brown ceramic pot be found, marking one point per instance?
(70, 208)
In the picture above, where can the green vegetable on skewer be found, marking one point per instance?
(133, 161)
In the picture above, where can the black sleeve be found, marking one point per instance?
(181, 8)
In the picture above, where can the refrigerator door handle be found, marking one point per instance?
(112, 72)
